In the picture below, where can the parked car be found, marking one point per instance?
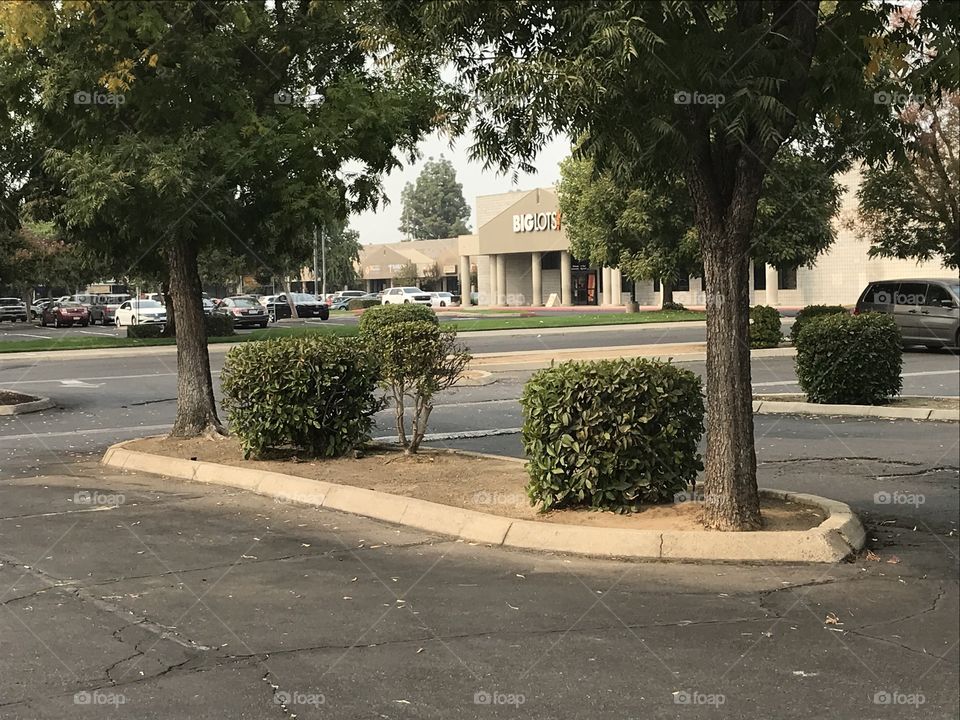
(401, 295)
(141, 312)
(926, 311)
(244, 311)
(13, 309)
(37, 307)
(103, 308)
(68, 312)
(209, 306)
(307, 306)
(443, 299)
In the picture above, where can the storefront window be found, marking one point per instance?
(787, 278)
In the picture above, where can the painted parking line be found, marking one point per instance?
(32, 337)
(95, 431)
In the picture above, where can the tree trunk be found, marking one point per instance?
(666, 291)
(196, 407)
(290, 302)
(730, 480)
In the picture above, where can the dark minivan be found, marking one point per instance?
(926, 311)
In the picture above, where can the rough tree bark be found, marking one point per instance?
(725, 208)
(196, 406)
(666, 294)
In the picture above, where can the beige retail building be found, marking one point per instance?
(519, 257)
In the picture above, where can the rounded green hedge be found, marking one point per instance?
(812, 311)
(374, 318)
(314, 394)
(611, 434)
(850, 359)
(764, 327)
(362, 303)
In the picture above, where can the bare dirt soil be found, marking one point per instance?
(8, 397)
(485, 484)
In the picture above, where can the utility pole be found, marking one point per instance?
(323, 261)
(316, 283)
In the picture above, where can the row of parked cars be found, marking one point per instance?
(394, 296)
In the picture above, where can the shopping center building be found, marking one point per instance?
(519, 256)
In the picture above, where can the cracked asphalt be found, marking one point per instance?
(133, 596)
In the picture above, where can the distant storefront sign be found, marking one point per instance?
(536, 222)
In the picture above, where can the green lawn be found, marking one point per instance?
(508, 323)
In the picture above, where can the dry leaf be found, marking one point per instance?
(832, 619)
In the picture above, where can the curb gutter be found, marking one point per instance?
(834, 539)
(793, 407)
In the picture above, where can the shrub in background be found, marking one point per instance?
(764, 327)
(850, 359)
(673, 306)
(314, 393)
(375, 318)
(217, 326)
(145, 331)
(362, 303)
(416, 360)
(812, 311)
(611, 434)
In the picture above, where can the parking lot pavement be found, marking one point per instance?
(138, 597)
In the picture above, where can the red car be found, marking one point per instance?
(59, 314)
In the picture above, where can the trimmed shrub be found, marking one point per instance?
(850, 359)
(316, 394)
(673, 306)
(416, 360)
(612, 434)
(362, 304)
(380, 316)
(812, 311)
(217, 326)
(764, 327)
(145, 331)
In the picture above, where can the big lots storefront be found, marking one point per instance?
(521, 257)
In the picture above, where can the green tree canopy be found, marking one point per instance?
(707, 90)
(909, 203)
(161, 128)
(434, 206)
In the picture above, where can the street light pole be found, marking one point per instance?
(323, 261)
(316, 283)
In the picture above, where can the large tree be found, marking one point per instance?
(434, 206)
(910, 202)
(160, 128)
(708, 90)
(650, 231)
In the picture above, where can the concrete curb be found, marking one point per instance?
(834, 539)
(794, 407)
(41, 403)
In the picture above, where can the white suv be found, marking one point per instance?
(401, 295)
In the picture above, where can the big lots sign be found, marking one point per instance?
(536, 222)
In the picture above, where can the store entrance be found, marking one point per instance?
(585, 285)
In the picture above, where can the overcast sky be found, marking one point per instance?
(381, 226)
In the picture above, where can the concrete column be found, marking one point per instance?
(536, 278)
(494, 291)
(605, 296)
(501, 280)
(773, 286)
(566, 278)
(616, 287)
(464, 269)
